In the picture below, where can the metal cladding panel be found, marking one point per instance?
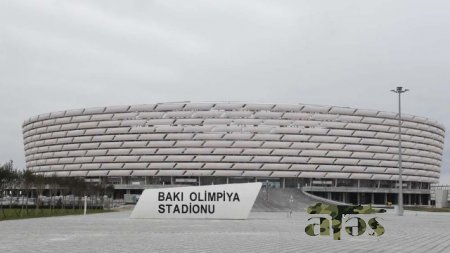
(70, 167)
(360, 176)
(119, 173)
(354, 168)
(280, 140)
(381, 177)
(208, 158)
(285, 152)
(316, 109)
(369, 162)
(90, 166)
(217, 166)
(160, 144)
(227, 173)
(337, 175)
(256, 173)
(119, 151)
(94, 110)
(276, 144)
(228, 106)
(62, 173)
(198, 106)
(364, 133)
(135, 144)
(290, 137)
(217, 143)
(227, 151)
(314, 153)
(97, 173)
(293, 159)
(198, 151)
(339, 154)
(304, 167)
(139, 165)
(267, 137)
(308, 174)
(268, 115)
(269, 166)
(321, 160)
(235, 158)
(78, 173)
(126, 159)
(237, 114)
(247, 166)
(346, 161)
(238, 136)
(143, 151)
(170, 172)
(189, 165)
(198, 173)
(266, 159)
(101, 117)
(166, 165)
(152, 158)
(117, 109)
(285, 174)
(188, 121)
(82, 159)
(287, 108)
(188, 144)
(329, 168)
(259, 107)
(255, 151)
(143, 173)
(324, 117)
(142, 108)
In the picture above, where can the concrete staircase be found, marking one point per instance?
(279, 200)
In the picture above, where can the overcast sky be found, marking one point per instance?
(57, 55)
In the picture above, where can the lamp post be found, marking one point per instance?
(399, 90)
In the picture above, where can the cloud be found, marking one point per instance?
(57, 55)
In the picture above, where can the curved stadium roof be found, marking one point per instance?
(232, 139)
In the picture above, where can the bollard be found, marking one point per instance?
(85, 204)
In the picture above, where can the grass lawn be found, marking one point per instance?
(15, 213)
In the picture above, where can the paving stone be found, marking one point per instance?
(262, 232)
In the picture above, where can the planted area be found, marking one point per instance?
(24, 194)
(17, 213)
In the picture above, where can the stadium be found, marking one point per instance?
(339, 153)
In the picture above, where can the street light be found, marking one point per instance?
(399, 90)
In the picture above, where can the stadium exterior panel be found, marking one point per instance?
(336, 152)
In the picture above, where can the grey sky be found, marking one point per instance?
(57, 55)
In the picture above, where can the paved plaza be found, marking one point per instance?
(262, 232)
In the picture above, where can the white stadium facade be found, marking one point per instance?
(340, 153)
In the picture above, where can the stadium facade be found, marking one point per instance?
(340, 153)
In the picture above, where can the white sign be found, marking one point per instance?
(227, 201)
